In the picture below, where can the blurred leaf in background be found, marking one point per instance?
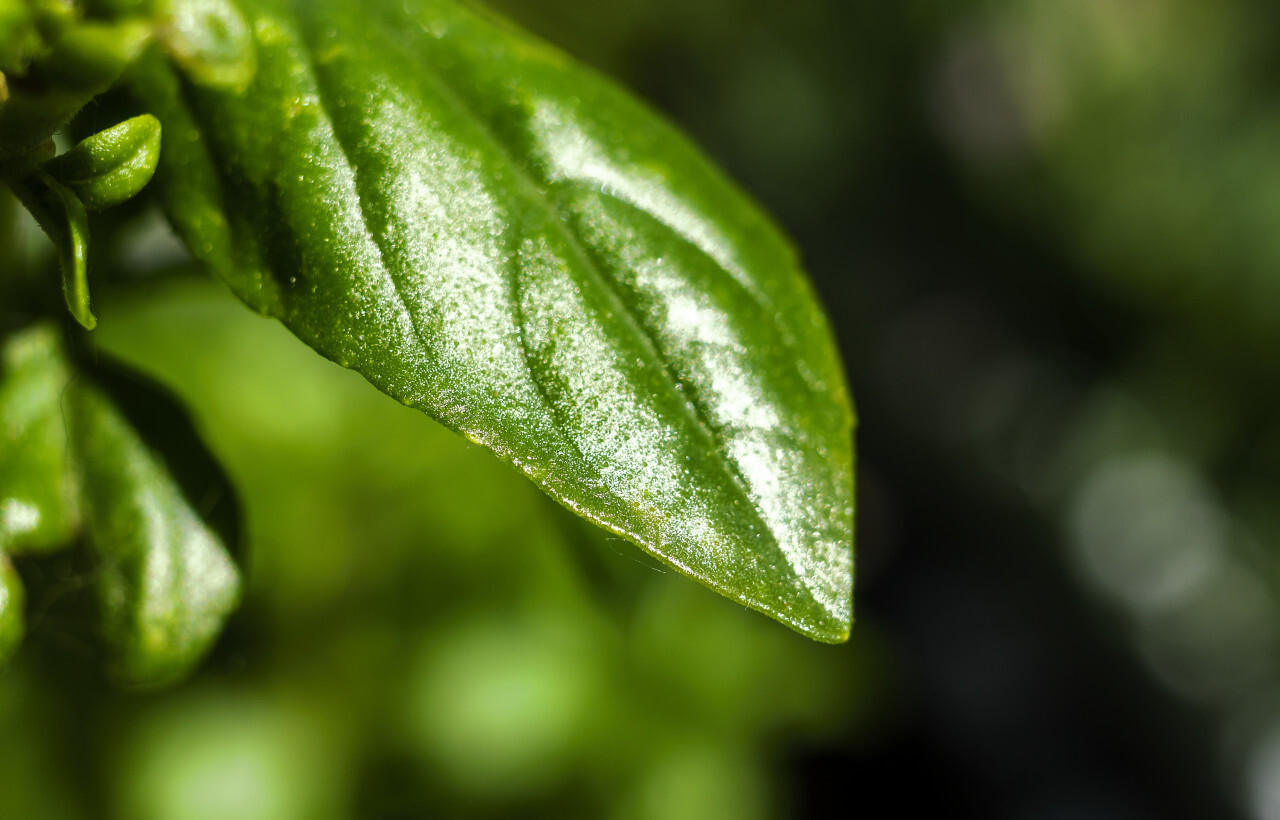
(1138, 142)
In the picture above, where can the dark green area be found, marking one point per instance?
(13, 614)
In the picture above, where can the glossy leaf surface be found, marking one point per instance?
(38, 505)
(503, 239)
(111, 166)
(165, 583)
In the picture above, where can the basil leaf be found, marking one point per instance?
(38, 505)
(501, 238)
(62, 216)
(165, 583)
(12, 618)
(111, 166)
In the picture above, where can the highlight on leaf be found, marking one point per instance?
(210, 40)
(39, 503)
(505, 240)
(112, 166)
(62, 216)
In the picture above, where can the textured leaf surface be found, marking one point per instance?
(165, 583)
(38, 506)
(111, 166)
(503, 239)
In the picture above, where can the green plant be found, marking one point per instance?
(483, 229)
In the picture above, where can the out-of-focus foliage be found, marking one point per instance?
(1139, 142)
(55, 65)
(163, 580)
(76, 470)
(1055, 226)
(13, 614)
(41, 509)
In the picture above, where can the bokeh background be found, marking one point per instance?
(1049, 236)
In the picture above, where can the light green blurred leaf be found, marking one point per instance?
(165, 583)
(222, 755)
(38, 504)
(504, 240)
(79, 62)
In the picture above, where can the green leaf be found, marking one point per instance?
(80, 64)
(12, 619)
(165, 583)
(111, 166)
(62, 216)
(38, 505)
(502, 238)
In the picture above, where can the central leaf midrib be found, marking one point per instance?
(535, 194)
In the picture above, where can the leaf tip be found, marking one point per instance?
(833, 629)
(84, 317)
